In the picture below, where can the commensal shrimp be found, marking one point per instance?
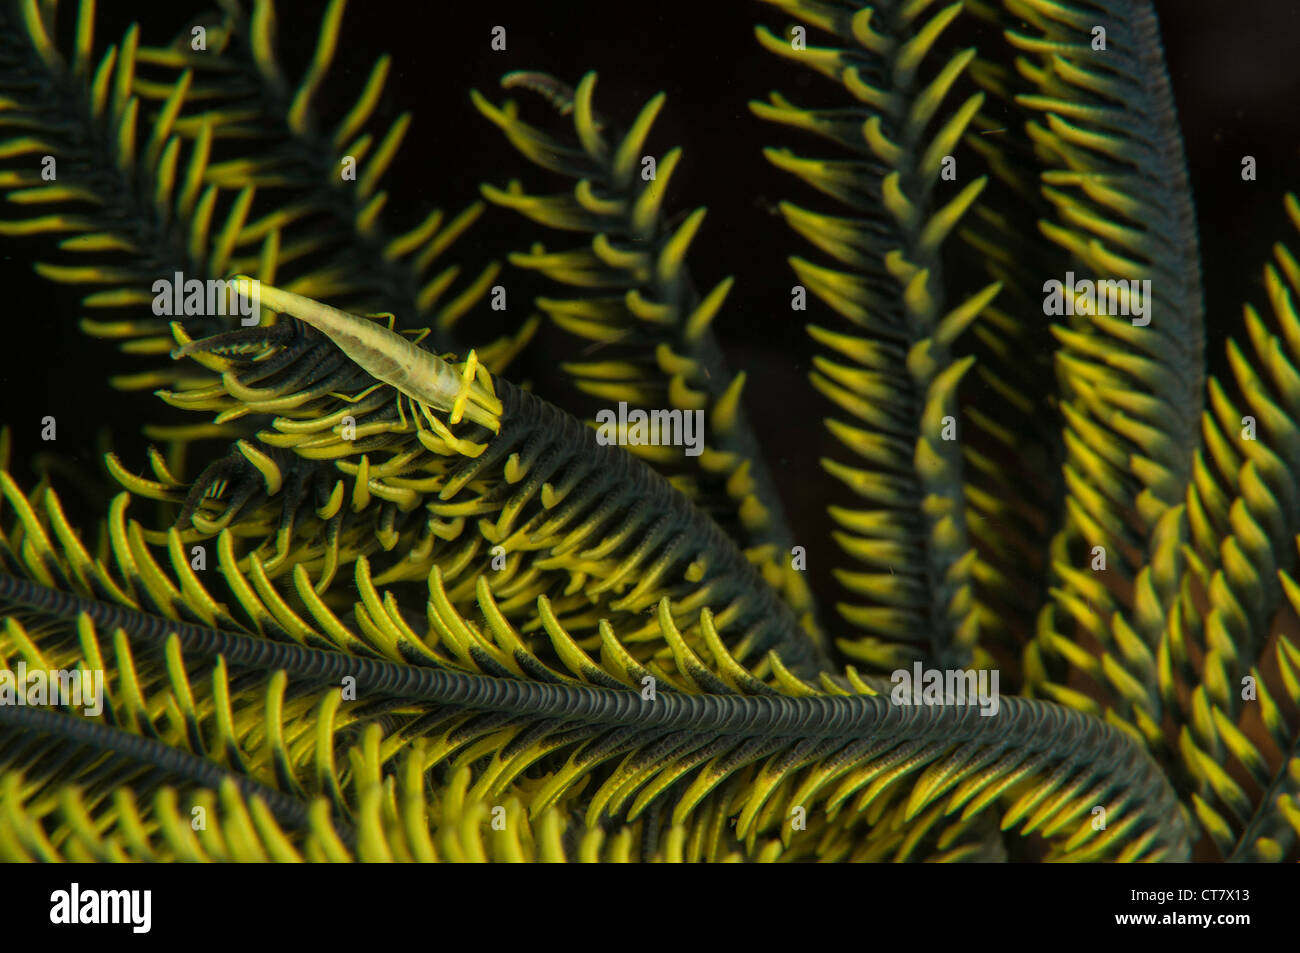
(387, 356)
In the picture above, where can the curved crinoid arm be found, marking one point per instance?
(1147, 471)
(447, 465)
(1013, 447)
(896, 375)
(1093, 97)
(628, 291)
(1116, 175)
(1206, 643)
(581, 748)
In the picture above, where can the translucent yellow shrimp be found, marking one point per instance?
(422, 376)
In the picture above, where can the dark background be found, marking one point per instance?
(1234, 72)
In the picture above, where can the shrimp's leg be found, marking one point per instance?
(466, 388)
(401, 414)
(441, 432)
(361, 396)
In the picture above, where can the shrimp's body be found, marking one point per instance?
(387, 356)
